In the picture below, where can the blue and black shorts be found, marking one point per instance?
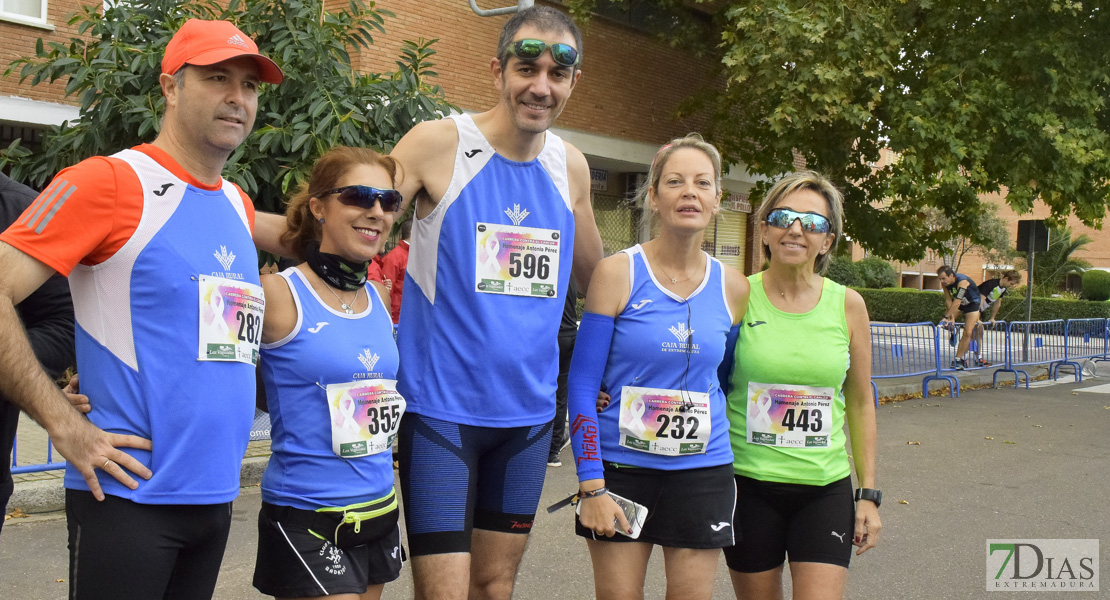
(455, 478)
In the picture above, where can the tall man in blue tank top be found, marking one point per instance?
(502, 212)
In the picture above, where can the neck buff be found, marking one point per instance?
(335, 270)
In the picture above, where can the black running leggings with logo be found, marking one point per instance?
(121, 549)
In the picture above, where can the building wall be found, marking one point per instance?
(630, 87)
(726, 238)
(18, 40)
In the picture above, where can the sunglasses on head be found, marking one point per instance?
(783, 218)
(364, 197)
(529, 49)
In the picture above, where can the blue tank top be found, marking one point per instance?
(471, 353)
(652, 339)
(138, 335)
(327, 346)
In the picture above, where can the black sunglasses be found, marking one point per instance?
(364, 197)
(529, 49)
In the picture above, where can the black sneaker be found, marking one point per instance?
(959, 364)
(554, 462)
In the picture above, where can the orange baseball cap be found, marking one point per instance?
(204, 43)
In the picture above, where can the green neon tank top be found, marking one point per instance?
(787, 383)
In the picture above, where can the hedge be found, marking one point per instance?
(877, 273)
(843, 271)
(1096, 285)
(904, 305)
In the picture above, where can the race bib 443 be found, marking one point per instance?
(793, 416)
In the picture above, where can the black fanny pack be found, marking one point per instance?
(346, 527)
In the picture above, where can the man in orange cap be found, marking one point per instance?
(157, 247)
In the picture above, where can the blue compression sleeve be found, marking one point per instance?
(724, 370)
(587, 366)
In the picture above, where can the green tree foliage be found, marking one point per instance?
(1096, 285)
(877, 273)
(843, 271)
(972, 97)
(112, 68)
(1051, 267)
(992, 242)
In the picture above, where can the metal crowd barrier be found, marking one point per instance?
(49, 465)
(1083, 339)
(1032, 343)
(905, 350)
(987, 348)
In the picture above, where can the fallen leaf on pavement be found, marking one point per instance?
(913, 443)
(1038, 426)
(17, 513)
(1009, 442)
(903, 502)
(988, 438)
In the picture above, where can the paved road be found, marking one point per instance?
(992, 464)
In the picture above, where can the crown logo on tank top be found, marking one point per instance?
(368, 359)
(225, 257)
(516, 214)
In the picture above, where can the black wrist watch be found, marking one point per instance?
(869, 494)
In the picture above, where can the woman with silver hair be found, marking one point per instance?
(801, 366)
